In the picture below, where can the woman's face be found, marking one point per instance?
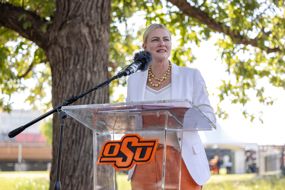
(158, 43)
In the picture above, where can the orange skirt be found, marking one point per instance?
(149, 176)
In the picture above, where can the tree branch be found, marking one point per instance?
(29, 69)
(26, 23)
(204, 18)
(31, 66)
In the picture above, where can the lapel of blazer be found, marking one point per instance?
(141, 85)
(175, 82)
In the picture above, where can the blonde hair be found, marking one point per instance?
(151, 28)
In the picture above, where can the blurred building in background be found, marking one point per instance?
(244, 150)
(27, 151)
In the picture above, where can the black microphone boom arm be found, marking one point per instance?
(69, 101)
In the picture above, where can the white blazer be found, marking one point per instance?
(187, 84)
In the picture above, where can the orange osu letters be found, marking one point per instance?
(131, 149)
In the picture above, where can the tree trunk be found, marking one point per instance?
(78, 54)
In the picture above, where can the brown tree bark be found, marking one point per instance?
(78, 55)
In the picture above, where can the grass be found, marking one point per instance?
(24, 180)
(40, 181)
(245, 182)
(123, 183)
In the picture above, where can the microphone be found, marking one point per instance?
(140, 63)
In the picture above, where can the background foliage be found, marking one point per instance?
(249, 35)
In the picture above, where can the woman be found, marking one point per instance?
(166, 81)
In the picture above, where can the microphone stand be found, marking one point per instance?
(62, 116)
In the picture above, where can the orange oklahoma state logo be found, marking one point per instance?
(131, 149)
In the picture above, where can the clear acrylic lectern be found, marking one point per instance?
(128, 135)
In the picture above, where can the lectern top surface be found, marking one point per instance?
(152, 115)
(126, 106)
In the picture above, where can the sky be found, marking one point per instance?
(236, 128)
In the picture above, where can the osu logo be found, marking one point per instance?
(131, 149)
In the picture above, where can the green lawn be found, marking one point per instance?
(24, 180)
(40, 181)
(245, 182)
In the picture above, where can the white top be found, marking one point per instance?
(161, 94)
